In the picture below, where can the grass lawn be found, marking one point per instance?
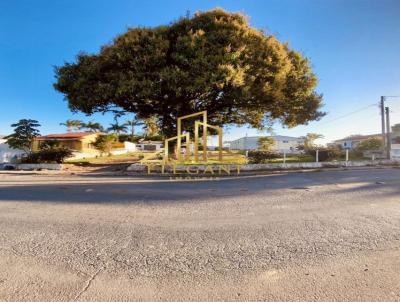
(121, 158)
(293, 159)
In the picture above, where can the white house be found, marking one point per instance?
(150, 145)
(350, 142)
(287, 144)
(8, 154)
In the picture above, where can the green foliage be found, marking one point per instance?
(24, 133)
(213, 61)
(117, 128)
(309, 140)
(104, 143)
(157, 137)
(132, 124)
(151, 128)
(265, 143)
(93, 127)
(372, 143)
(261, 157)
(326, 154)
(49, 155)
(73, 125)
(49, 144)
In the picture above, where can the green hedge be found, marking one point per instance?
(261, 157)
(47, 156)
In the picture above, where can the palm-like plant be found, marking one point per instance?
(73, 125)
(132, 124)
(93, 127)
(117, 128)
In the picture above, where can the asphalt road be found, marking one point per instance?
(315, 236)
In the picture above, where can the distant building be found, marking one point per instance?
(350, 142)
(75, 141)
(287, 144)
(395, 135)
(150, 145)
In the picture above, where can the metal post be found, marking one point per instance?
(316, 155)
(178, 142)
(196, 141)
(220, 144)
(284, 157)
(347, 155)
(388, 138)
(382, 105)
(205, 135)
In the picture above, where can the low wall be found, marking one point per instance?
(263, 167)
(38, 166)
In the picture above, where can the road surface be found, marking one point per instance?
(315, 236)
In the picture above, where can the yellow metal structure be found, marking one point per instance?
(197, 124)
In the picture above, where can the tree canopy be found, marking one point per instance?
(310, 138)
(25, 132)
(212, 61)
(373, 143)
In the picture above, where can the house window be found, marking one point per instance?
(285, 142)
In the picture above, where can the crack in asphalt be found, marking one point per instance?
(88, 283)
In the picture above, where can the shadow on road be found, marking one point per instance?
(189, 191)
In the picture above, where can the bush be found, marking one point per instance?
(56, 155)
(128, 138)
(326, 154)
(49, 144)
(260, 157)
(104, 143)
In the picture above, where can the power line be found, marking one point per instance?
(348, 114)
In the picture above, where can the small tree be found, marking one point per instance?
(372, 143)
(309, 140)
(104, 143)
(265, 143)
(24, 133)
(117, 128)
(132, 124)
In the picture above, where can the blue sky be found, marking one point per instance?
(354, 47)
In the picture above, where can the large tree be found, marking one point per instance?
(24, 134)
(213, 61)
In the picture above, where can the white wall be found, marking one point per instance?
(6, 153)
(282, 144)
(395, 152)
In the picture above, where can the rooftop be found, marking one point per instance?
(276, 137)
(357, 137)
(69, 135)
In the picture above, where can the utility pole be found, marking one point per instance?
(388, 138)
(382, 105)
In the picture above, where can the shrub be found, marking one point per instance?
(104, 143)
(49, 144)
(326, 154)
(56, 155)
(260, 157)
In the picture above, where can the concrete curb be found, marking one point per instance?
(156, 168)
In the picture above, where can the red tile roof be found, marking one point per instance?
(69, 136)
